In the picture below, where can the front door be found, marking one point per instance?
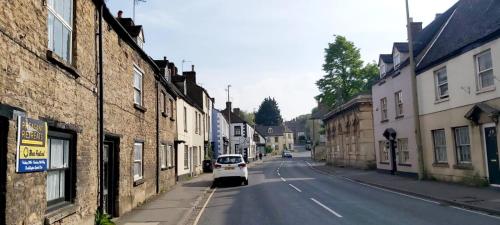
(110, 178)
(490, 138)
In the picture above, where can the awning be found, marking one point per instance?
(475, 112)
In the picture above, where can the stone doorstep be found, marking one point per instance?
(441, 200)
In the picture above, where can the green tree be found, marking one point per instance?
(248, 116)
(268, 113)
(345, 74)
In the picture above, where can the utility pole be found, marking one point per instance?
(229, 118)
(133, 8)
(418, 139)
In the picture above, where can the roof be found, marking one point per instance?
(234, 117)
(275, 130)
(386, 58)
(471, 23)
(401, 46)
(363, 98)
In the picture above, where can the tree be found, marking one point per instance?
(248, 116)
(345, 74)
(268, 113)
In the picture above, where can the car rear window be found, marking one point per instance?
(229, 160)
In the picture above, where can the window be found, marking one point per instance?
(269, 130)
(384, 152)
(138, 151)
(195, 122)
(382, 69)
(439, 139)
(199, 123)
(441, 81)
(237, 148)
(276, 147)
(237, 131)
(170, 156)
(398, 97)
(163, 157)
(195, 155)
(60, 167)
(276, 139)
(186, 157)
(199, 155)
(185, 120)
(485, 70)
(403, 153)
(163, 103)
(137, 86)
(60, 28)
(383, 109)
(171, 108)
(289, 146)
(396, 59)
(462, 144)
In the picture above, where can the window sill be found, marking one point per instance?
(442, 100)
(172, 119)
(463, 166)
(384, 121)
(139, 107)
(60, 213)
(138, 182)
(384, 163)
(53, 58)
(486, 89)
(164, 114)
(404, 164)
(400, 117)
(441, 164)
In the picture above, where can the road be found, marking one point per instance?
(290, 192)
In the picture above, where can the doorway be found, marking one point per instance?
(111, 176)
(491, 148)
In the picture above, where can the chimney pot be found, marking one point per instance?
(192, 68)
(120, 14)
(164, 58)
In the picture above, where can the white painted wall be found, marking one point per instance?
(189, 137)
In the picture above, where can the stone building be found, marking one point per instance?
(279, 138)
(349, 130)
(49, 76)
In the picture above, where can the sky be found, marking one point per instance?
(269, 47)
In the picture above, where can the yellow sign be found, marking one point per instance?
(32, 146)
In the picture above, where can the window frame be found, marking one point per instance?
(171, 156)
(185, 120)
(141, 161)
(402, 159)
(478, 72)
(458, 147)
(163, 157)
(398, 103)
(186, 157)
(138, 71)
(442, 147)
(171, 107)
(383, 109)
(397, 56)
(237, 134)
(437, 85)
(70, 171)
(69, 26)
(383, 151)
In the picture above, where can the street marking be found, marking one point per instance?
(283, 179)
(394, 192)
(279, 174)
(203, 209)
(476, 212)
(308, 163)
(297, 189)
(325, 207)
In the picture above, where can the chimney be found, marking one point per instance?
(415, 27)
(190, 75)
(236, 111)
(192, 68)
(165, 58)
(120, 14)
(228, 106)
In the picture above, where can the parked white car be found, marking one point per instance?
(230, 166)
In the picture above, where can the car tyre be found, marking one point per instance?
(215, 183)
(245, 182)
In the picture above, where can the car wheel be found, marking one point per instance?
(245, 182)
(215, 183)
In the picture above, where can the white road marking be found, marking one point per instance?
(279, 174)
(308, 163)
(476, 212)
(297, 189)
(283, 179)
(203, 209)
(394, 192)
(325, 207)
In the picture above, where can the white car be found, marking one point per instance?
(230, 166)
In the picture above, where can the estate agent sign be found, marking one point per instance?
(32, 149)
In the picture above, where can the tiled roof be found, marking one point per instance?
(401, 46)
(386, 58)
(275, 130)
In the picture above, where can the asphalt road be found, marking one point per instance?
(290, 192)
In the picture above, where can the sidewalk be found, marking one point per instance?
(170, 208)
(486, 199)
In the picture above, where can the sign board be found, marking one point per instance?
(32, 146)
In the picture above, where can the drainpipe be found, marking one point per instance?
(157, 141)
(101, 114)
(416, 120)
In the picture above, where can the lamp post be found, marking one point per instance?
(229, 117)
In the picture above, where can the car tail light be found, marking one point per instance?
(217, 166)
(241, 165)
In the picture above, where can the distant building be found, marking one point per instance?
(220, 134)
(241, 133)
(279, 138)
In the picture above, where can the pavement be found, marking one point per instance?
(485, 199)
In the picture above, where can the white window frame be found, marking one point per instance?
(398, 103)
(383, 109)
(396, 59)
(437, 85)
(67, 24)
(440, 152)
(140, 89)
(479, 73)
(382, 69)
(170, 156)
(163, 156)
(459, 147)
(138, 161)
(403, 152)
(383, 151)
(186, 157)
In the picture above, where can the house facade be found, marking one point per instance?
(278, 138)
(241, 133)
(349, 131)
(220, 134)
(459, 96)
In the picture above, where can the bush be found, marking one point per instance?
(269, 149)
(103, 219)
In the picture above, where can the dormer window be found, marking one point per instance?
(140, 42)
(382, 69)
(270, 130)
(396, 59)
